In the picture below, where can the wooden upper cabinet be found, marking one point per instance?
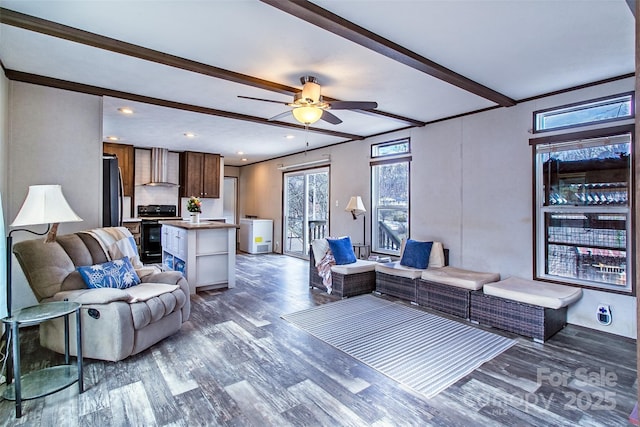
(211, 175)
(126, 159)
(199, 175)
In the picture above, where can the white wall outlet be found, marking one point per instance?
(604, 314)
(337, 203)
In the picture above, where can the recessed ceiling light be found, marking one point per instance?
(240, 153)
(289, 136)
(189, 134)
(125, 110)
(113, 138)
(244, 159)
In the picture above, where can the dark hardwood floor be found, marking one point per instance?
(236, 362)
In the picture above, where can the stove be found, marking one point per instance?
(150, 230)
(157, 211)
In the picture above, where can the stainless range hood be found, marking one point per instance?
(160, 168)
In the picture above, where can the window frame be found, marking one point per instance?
(382, 160)
(539, 236)
(575, 106)
(399, 141)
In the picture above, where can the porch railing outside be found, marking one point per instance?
(387, 238)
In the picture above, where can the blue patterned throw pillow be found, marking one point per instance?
(112, 274)
(342, 250)
(416, 254)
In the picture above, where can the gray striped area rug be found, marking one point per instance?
(420, 350)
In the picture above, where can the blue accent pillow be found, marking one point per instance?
(342, 250)
(416, 254)
(112, 274)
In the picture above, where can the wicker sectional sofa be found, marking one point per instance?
(533, 309)
(360, 280)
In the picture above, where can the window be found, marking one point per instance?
(617, 107)
(390, 198)
(583, 208)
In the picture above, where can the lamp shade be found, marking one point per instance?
(355, 206)
(44, 204)
(311, 92)
(307, 115)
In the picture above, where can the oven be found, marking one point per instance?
(151, 230)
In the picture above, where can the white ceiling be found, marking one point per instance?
(520, 49)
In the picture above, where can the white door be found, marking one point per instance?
(229, 202)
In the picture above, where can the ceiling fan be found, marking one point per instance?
(309, 107)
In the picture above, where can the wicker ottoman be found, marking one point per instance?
(397, 280)
(346, 281)
(448, 289)
(532, 309)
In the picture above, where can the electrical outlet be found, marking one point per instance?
(604, 314)
(337, 202)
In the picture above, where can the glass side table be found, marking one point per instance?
(48, 380)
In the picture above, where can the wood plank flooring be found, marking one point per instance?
(237, 363)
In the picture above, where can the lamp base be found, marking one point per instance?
(51, 235)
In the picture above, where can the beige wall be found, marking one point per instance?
(55, 137)
(471, 182)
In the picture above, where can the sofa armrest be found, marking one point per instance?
(93, 296)
(147, 270)
(173, 278)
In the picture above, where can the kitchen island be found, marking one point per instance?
(205, 252)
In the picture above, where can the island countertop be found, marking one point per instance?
(202, 225)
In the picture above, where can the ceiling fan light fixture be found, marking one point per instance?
(311, 92)
(307, 115)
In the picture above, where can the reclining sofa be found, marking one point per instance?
(116, 323)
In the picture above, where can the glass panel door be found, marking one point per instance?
(306, 209)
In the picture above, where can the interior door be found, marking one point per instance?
(229, 199)
(306, 209)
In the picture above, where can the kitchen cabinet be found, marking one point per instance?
(125, 155)
(204, 253)
(199, 174)
(133, 226)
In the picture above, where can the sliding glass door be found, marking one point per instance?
(306, 209)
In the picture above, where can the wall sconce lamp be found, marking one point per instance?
(356, 207)
(44, 204)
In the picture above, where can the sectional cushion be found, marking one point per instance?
(467, 279)
(549, 295)
(320, 248)
(360, 266)
(396, 269)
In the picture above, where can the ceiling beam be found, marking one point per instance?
(54, 29)
(95, 90)
(335, 24)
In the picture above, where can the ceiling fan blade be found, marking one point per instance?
(352, 105)
(280, 116)
(265, 100)
(330, 118)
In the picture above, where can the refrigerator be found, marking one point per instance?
(255, 236)
(112, 192)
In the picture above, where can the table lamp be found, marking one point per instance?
(44, 204)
